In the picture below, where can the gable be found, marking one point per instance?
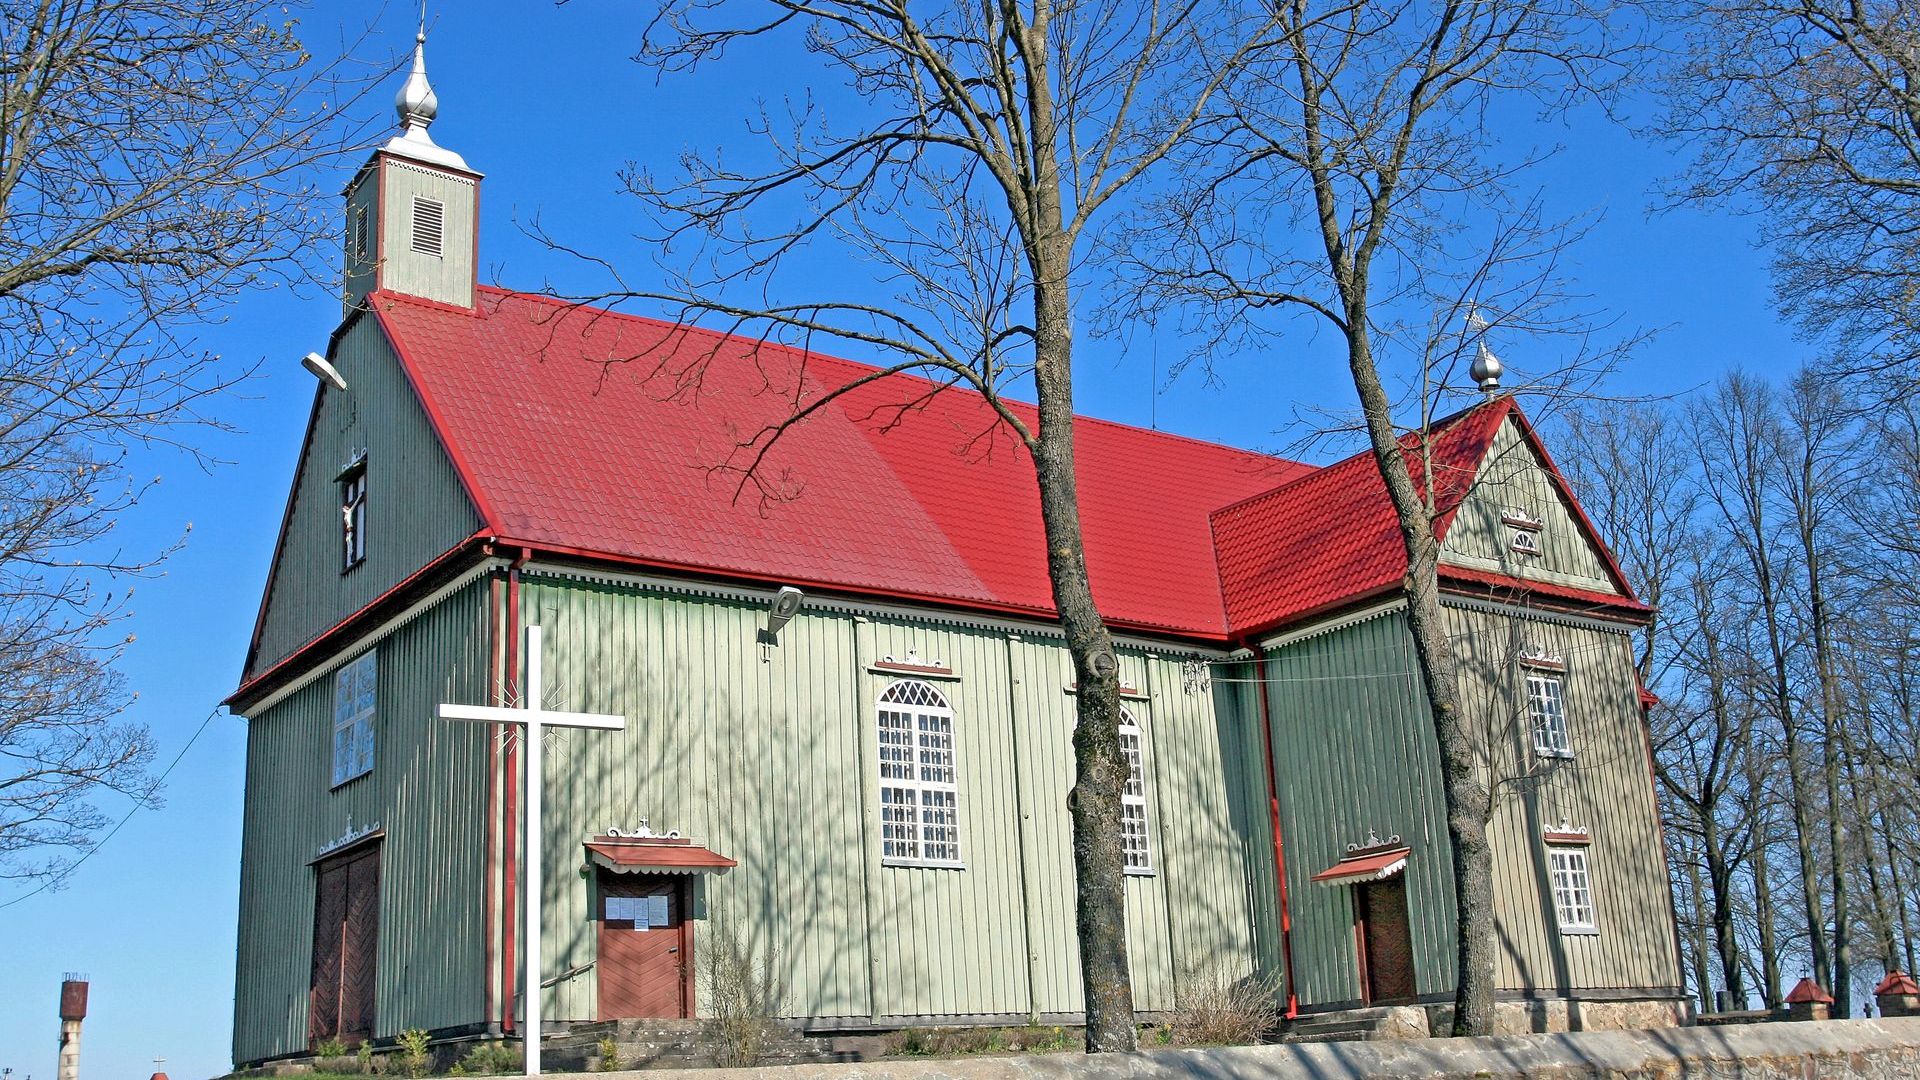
(417, 509)
(1516, 475)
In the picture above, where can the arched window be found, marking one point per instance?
(919, 794)
(1136, 855)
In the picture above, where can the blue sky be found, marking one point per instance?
(547, 103)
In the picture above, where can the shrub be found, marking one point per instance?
(609, 1055)
(329, 1048)
(371, 1064)
(489, 1059)
(1218, 1008)
(414, 1058)
(745, 997)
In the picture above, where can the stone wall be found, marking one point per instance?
(1875, 1049)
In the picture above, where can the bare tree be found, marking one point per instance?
(1808, 112)
(1740, 439)
(982, 147)
(1339, 197)
(151, 156)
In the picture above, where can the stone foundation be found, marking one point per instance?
(1545, 1015)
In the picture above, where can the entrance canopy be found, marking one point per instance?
(656, 856)
(1364, 865)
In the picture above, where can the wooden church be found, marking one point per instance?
(873, 792)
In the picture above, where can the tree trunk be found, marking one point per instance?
(1100, 768)
(1763, 915)
(1803, 823)
(1468, 803)
(1719, 867)
(1696, 935)
(1720, 881)
(1842, 988)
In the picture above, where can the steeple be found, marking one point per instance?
(413, 210)
(417, 105)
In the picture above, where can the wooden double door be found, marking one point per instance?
(645, 961)
(1385, 940)
(346, 937)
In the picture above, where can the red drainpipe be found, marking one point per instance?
(510, 761)
(488, 861)
(1279, 848)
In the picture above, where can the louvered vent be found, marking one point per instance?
(429, 219)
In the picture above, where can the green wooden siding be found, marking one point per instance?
(1355, 755)
(1605, 788)
(1515, 475)
(1355, 751)
(416, 508)
(772, 765)
(426, 789)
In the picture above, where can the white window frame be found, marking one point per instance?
(353, 516)
(919, 776)
(1571, 874)
(1547, 713)
(1136, 848)
(355, 703)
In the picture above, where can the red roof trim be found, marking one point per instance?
(435, 420)
(264, 682)
(1580, 513)
(1586, 597)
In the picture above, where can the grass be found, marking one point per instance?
(967, 1041)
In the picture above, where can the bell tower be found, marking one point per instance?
(413, 209)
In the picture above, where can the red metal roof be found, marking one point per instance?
(1896, 982)
(582, 430)
(661, 858)
(1807, 991)
(1374, 867)
(1331, 536)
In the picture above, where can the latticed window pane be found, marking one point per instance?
(1136, 776)
(914, 692)
(1133, 836)
(896, 745)
(940, 827)
(936, 748)
(1548, 708)
(1134, 849)
(899, 823)
(1572, 888)
(920, 816)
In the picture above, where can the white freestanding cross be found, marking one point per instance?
(534, 717)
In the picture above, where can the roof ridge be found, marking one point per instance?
(549, 300)
(1445, 423)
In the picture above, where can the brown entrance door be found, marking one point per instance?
(346, 936)
(1385, 939)
(645, 964)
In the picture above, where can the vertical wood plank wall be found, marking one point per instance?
(427, 789)
(769, 763)
(1514, 475)
(416, 508)
(1355, 751)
